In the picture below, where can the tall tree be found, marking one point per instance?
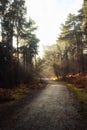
(18, 7)
(13, 24)
(3, 10)
(72, 35)
(30, 43)
(85, 20)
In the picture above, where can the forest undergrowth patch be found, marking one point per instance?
(77, 83)
(9, 96)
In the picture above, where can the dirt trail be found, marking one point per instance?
(51, 108)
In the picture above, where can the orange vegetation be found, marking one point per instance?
(18, 92)
(79, 79)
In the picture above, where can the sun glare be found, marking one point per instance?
(49, 15)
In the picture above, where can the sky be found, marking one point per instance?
(49, 15)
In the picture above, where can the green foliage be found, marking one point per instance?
(15, 26)
(69, 56)
(85, 18)
(71, 38)
(30, 48)
(80, 94)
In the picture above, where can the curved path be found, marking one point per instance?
(51, 108)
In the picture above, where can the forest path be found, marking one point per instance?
(51, 108)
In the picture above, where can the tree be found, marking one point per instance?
(84, 27)
(71, 34)
(29, 49)
(14, 25)
(3, 9)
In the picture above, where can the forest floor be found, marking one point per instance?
(76, 87)
(75, 82)
(51, 107)
(9, 96)
(78, 84)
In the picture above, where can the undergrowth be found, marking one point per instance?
(80, 94)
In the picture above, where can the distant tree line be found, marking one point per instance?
(19, 44)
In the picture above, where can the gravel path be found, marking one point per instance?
(51, 108)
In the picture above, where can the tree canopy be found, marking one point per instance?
(16, 60)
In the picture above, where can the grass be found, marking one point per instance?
(80, 94)
(9, 96)
(19, 92)
(78, 84)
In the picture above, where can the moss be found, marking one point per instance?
(80, 94)
(20, 92)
